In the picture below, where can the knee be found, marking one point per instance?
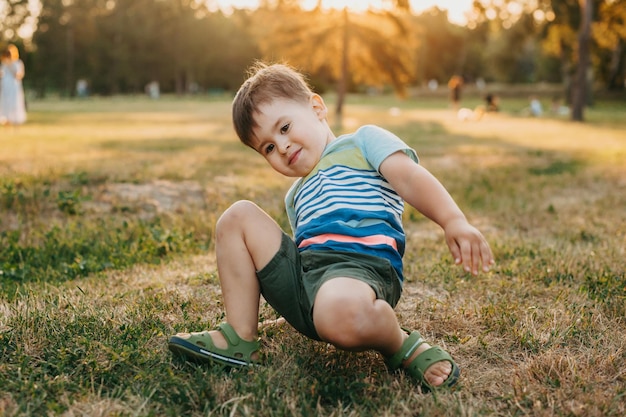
(343, 323)
(235, 216)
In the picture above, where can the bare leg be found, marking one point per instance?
(246, 240)
(366, 323)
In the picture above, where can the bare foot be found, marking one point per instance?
(270, 323)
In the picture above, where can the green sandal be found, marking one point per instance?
(199, 347)
(423, 361)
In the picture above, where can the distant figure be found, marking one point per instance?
(535, 107)
(153, 90)
(558, 108)
(468, 115)
(491, 103)
(455, 84)
(12, 104)
(82, 88)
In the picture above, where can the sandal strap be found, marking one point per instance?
(409, 346)
(418, 366)
(237, 345)
(230, 334)
(426, 359)
(200, 346)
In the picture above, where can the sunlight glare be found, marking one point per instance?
(227, 6)
(356, 7)
(456, 8)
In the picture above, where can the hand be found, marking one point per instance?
(468, 246)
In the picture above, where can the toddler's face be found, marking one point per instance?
(291, 135)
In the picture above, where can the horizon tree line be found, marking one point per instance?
(119, 46)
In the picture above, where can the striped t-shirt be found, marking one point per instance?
(345, 204)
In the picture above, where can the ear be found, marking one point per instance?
(319, 107)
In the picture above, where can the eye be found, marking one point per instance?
(285, 128)
(269, 148)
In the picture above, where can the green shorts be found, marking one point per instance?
(290, 281)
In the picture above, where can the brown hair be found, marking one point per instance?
(13, 52)
(264, 84)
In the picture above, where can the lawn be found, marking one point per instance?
(107, 210)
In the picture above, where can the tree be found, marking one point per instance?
(513, 52)
(224, 48)
(609, 33)
(373, 48)
(570, 35)
(569, 31)
(54, 44)
(13, 14)
(442, 48)
(121, 45)
(511, 45)
(584, 36)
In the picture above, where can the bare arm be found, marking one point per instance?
(418, 187)
(19, 70)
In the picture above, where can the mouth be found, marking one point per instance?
(294, 157)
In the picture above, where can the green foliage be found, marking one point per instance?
(10, 194)
(69, 201)
(13, 15)
(82, 248)
(120, 46)
(556, 168)
(438, 47)
(608, 287)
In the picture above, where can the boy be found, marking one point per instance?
(341, 276)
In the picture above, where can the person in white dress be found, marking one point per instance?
(12, 105)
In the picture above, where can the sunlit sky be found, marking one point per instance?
(456, 8)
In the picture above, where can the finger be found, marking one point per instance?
(454, 250)
(486, 256)
(466, 256)
(476, 256)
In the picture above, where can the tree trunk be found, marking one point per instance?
(616, 67)
(580, 85)
(69, 61)
(342, 85)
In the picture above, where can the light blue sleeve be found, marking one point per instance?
(377, 144)
(289, 205)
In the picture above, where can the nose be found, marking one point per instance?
(283, 145)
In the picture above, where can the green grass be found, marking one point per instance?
(107, 213)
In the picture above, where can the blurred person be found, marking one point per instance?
(455, 85)
(466, 114)
(492, 103)
(12, 104)
(558, 107)
(153, 90)
(535, 107)
(82, 88)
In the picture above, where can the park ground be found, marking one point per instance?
(106, 248)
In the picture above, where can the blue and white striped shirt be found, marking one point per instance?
(345, 204)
